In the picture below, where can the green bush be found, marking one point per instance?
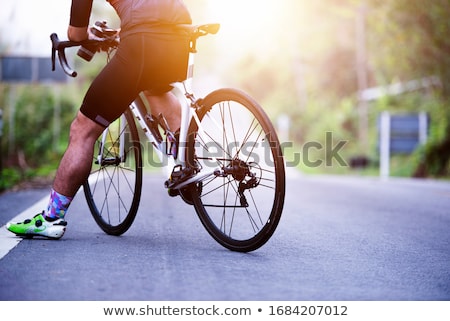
(41, 121)
(39, 131)
(9, 177)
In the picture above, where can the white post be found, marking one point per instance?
(385, 144)
(11, 120)
(283, 124)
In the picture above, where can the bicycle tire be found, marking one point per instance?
(241, 204)
(113, 189)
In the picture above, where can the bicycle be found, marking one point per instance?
(226, 160)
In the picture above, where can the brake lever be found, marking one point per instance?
(63, 61)
(58, 46)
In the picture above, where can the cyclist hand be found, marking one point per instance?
(104, 35)
(93, 34)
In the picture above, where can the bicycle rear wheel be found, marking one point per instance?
(113, 189)
(241, 202)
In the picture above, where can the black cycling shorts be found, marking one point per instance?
(144, 61)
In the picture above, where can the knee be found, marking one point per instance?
(84, 129)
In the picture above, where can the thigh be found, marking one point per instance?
(166, 61)
(114, 88)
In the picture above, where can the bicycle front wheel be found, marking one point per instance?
(241, 202)
(113, 189)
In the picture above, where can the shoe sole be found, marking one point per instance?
(30, 236)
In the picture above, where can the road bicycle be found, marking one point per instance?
(225, 160)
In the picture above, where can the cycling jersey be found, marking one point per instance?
(136, 15)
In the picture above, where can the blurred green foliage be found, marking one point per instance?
(314, 80)
(38, 134)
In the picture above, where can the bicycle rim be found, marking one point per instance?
(113, 189)
(240, 205)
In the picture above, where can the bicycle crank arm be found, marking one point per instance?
(195, 179)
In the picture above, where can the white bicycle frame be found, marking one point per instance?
(183, 91)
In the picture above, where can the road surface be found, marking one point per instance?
(340, 238)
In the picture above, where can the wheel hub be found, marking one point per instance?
(238, 169)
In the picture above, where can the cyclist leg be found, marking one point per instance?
(135, 65)
(105, 100)
(72, 171)
(76, 162)
(168, 64)
(168, 105)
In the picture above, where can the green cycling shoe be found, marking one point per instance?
(39, 226)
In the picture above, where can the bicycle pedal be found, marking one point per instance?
(173, 192)
(178, 176)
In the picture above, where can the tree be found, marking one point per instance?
(410, 41)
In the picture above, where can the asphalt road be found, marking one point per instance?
(340, 238)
